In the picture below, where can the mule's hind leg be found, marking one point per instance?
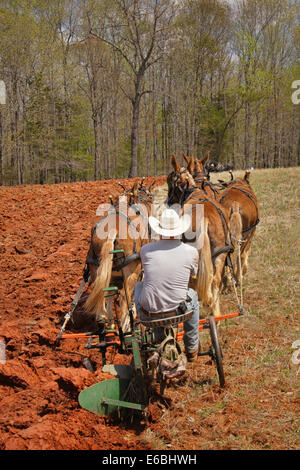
(109, 310)
(216, 284)
(131, 275)
(236, 229)
(226, 286)
(244, 258)
(245, 251)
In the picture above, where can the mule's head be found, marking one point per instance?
(190, 163)
(201, 170)
(247, 177)
(179, 182)
(146, 190)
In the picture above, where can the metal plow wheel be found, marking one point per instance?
(216, 353)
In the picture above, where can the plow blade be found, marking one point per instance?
(105, 398)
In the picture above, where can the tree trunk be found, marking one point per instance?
(154, 130)
(247, 137)
(256, 139)
(97, 147)
(298, 151)
(276, 152)
(134, 136)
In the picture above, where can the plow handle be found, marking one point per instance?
(60, 334)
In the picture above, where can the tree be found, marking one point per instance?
(138, 31)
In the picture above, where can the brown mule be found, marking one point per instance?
(197, 169)
(212, 236)
(127, 229)
(240, 200)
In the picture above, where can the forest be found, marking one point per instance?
(100, 89)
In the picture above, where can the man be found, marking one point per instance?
(168, 265)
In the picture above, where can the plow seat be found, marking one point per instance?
(169, 321)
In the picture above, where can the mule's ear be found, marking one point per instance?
(191, 165)
(148, 189)
(197, 165)
(187, 159)
(151, 185)
(247, 176)
(205, 158)
(142, 182)
(175, 163)
(135, 188)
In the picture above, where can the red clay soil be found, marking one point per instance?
(45, 234)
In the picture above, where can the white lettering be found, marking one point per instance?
(176, 459)
(2, 352)
(113, 460)
(296, 354)
(2, 92)
(296, 94)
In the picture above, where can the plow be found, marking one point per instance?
(152, 363)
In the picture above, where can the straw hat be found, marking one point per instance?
(170, 224)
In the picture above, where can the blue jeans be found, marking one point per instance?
(191, 326)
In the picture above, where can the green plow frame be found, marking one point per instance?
(128, 389)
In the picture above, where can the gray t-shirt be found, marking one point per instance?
(168, 265)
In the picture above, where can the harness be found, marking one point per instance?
(204, 179)
(210, 185)
(200, 173)
(120, 262)
(249, 195)
(228, 245)
(187, 194)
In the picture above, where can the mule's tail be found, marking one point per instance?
(236, 225)
(205, 269)
(95, 303)
(236, 229)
